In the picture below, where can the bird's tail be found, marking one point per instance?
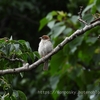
(45, 67)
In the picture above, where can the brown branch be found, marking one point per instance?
(27, 67)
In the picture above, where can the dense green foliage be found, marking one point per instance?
(74, 72)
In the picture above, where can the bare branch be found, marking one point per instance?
(14, 59)
(27, 67)
(80, 16)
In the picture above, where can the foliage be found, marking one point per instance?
(9, 50)
(73, 72)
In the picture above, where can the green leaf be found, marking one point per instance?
(59, 18)
(51, 24)
(28, 45)
(6, 49)
(54, 13)
(24, 56)
(80, 97)
(50, 15)
(91, 40)
(15, 93)
(94, 9)
(57, 62)
(36, 54)
(54, 81)
(16, 46)
(88, 17)
(75, 43)
(30, 56)
(21, 41)
(5, 97)
(58, 29)
(98, 5)
(21, 95)
(74, 19)
(13, 98)
(87, 9)
(43, 22)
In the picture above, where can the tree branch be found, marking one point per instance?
(27, 67)
(14, 59)
(80, 16)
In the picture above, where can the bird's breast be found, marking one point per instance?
(45, 47)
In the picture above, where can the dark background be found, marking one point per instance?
(20, 18)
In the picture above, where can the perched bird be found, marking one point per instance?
(45, 47)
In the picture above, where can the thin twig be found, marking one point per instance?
(80, 16)
(14, 59)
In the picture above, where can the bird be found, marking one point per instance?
(45, 47)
